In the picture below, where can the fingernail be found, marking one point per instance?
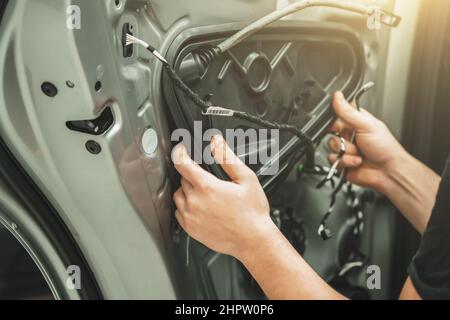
(217, 141)
(178, 154)
(340, 98)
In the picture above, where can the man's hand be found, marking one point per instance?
(228, 217)
(378, 161)
(233, 218)
(378, 152)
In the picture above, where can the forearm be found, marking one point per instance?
(282, 273)
(412, 187)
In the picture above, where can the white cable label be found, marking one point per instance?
(218, 111)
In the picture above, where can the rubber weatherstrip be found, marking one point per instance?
(45, 215)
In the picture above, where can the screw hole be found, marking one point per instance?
(93, 147)
(70, 84)
(49, 89)
(118, 3)
(98, 86)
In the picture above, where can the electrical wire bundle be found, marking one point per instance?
(309, 165)
(209, 54)
(323, 230)
(207, 109)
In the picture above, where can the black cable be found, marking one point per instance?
(310, 149)
(357, 100)
(204, 106)
(209, 110)
(324, 231)
(179, 83)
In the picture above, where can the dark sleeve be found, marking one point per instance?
(430, 268)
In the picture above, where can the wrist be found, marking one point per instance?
(258, 242)
(412, 187)
(402, 163)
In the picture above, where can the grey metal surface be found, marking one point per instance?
(116, 204)
(125, 254)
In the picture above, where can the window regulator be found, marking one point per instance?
(211, 53)
(207, 55)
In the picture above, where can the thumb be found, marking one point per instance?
(345, 111)
(230, 163)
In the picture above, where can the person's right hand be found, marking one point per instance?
(376, 151)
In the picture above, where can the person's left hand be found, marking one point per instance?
(228, 217)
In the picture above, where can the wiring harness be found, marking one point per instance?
(323, 230)
(212, 52)
(309, 166)
(206, 108)
(387, 18)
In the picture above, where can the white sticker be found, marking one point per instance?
(218, 111)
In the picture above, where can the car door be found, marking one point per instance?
(87, 129)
